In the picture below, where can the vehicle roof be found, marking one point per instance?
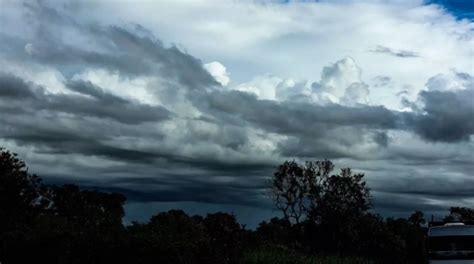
(452, 230)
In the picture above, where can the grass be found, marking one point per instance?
(282, 256)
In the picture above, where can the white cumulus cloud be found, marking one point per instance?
(218, 71)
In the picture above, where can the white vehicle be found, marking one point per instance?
(451, 244)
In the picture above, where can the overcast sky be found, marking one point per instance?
(192, 104)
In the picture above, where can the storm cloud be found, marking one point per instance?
(447, 116)
(110, 105)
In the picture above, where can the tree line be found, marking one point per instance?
(326, 219)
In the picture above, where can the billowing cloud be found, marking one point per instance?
(342, 83)
(94, 102)
(218, 71)
(447, 116)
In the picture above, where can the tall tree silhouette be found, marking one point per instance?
(309, 191)
(20, 192)
(296, 187)
(21, 203)
(341, 198)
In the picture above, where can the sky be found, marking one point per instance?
(192, 104)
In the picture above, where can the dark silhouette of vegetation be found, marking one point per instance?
(326, 220)
(460, 214)
(296, 189)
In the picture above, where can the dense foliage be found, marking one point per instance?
(326, 220)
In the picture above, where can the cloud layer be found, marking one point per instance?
(110, 105)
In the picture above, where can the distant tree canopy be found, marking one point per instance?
(20, 192)
(328, 213)
(310, 192)
(63, 224)
(460, 214)
(417, 218)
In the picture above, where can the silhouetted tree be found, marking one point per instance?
(170, 237)
(55, 224)
(21, 203)
(341, 198)
(332, 205)
(417, 218)
(20, 192)
(377, 241)
(89, 209)
(413, 237)
(226, 238)
(294, 187)
(460, 214)
(78, 222)
(277, 232)
(309, 191)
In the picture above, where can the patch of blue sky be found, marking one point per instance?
(462, 9)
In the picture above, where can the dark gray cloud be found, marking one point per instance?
(202, 188)
(129, 49)
(430, 191)
(295, 118)
(381, 138)
(394, 52)
(403, 205)
(14, 88)
(312, 130)
(428, 185)
(447, 116)
(98, 104)
(174, 187)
